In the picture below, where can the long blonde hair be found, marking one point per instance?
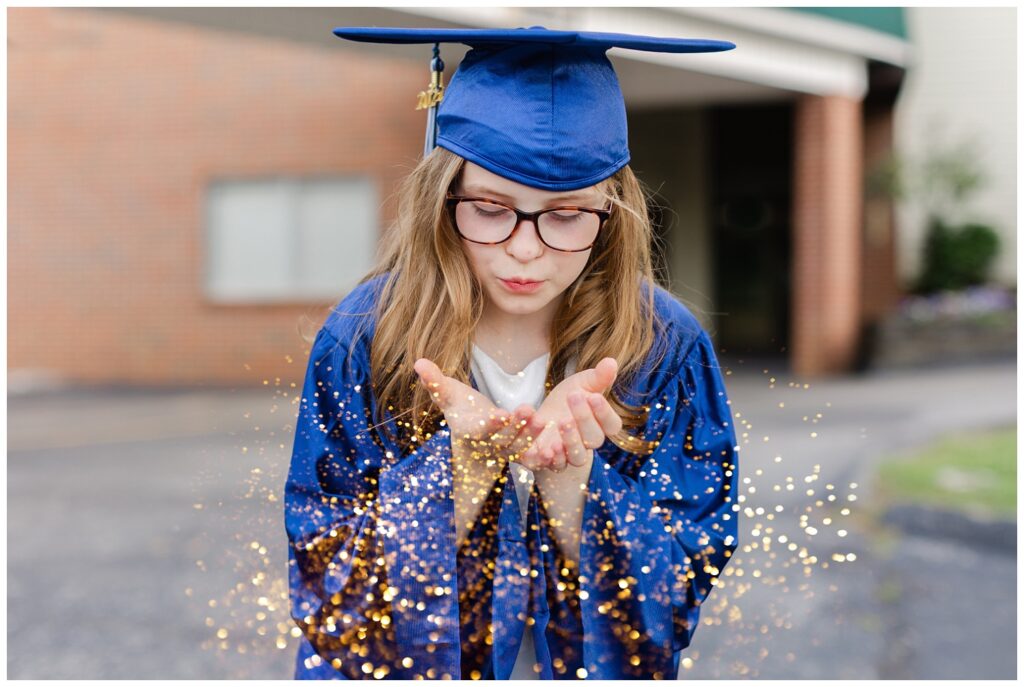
(431, 301)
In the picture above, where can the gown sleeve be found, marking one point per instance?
(659, 529)
(371, 554)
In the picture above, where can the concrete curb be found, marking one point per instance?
(943, 524)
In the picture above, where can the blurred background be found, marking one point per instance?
(191, 189)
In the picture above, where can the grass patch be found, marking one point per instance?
(970, 472)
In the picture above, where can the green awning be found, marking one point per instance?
(888, 20)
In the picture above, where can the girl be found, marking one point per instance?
(514, 455)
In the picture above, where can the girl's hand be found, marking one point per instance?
(573, 442)
(471, 415)
(570, 426)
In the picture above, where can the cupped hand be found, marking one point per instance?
(472, 416)
(574, 419)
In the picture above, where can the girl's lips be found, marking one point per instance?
(521, 287)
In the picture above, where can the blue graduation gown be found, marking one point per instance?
(380, 590)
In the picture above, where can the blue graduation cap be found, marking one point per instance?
(533, 105)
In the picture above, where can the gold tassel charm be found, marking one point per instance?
(429, 99)
(433, 95)
(435, 91)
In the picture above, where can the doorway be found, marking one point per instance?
(750, 164)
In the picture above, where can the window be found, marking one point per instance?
(287, 239)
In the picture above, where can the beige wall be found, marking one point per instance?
(963, 84)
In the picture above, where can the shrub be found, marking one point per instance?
(956, 257)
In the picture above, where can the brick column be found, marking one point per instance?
(827, 206)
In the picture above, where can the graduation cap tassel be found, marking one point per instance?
(429, 99)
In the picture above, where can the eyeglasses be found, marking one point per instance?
(567, 228)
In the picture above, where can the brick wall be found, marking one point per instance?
(115, 126)
(827, 205)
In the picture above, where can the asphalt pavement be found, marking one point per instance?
(145, 537)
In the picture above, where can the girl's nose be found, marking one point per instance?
(525, 243)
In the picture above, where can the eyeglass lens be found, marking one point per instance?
(561, 229)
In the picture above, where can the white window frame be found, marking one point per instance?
(297, 227)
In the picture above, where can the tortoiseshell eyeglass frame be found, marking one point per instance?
(451, 201)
